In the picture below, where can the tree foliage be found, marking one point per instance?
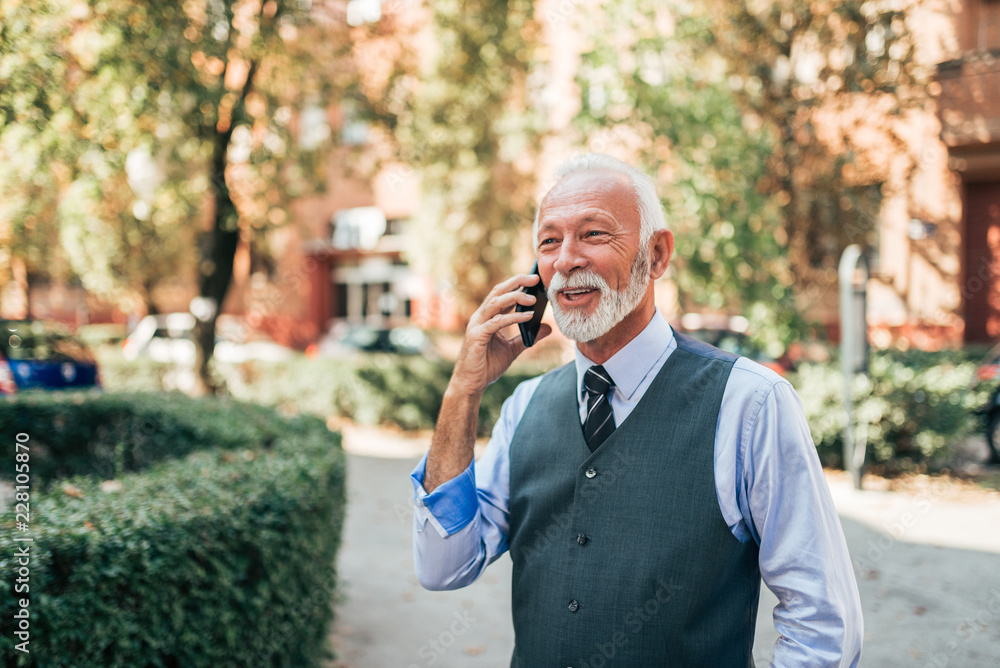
(159, 134)
(36, 126)
(461, 117)
(725, 102)
(798, 65)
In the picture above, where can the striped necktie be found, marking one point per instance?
(600, 420)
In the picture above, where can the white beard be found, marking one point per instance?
(612, 305)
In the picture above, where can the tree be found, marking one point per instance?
(725, 105)
(201, 99)
(460, 117)
(68, 122)
(35, 123)
(799, 65)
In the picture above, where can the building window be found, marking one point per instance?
(360, 12)
(354, 130)
(372, 303)
(396, 225)
(314, 129)
(366, 300)
(340, 300)
(360, 227)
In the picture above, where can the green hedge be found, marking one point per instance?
(369, 389)
(222, 557)
(108, 434)
(911, 409)
(914, 406)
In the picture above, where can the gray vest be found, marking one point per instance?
(622, 557)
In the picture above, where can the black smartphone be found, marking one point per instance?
(529, 330)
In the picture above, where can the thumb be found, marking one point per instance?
(518, 343)
(543, 330)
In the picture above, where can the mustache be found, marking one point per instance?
(578, 279)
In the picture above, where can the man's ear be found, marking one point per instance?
(661, 249)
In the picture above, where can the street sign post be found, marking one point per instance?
(853, 273)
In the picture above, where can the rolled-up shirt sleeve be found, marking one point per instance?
(803, 553)
(461, 527)
(451, 506)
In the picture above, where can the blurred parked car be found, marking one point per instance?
(169, 337)
(729, 334)
(43, 355)
(343, 341)
(108, 335)
(988, 371)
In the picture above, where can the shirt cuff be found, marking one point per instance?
(453, 504)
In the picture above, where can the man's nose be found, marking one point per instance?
(570, 258)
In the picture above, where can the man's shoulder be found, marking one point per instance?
(699, 348)
(747, 378)
(753, 388)
(754, 376)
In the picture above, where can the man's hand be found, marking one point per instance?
(486, 353)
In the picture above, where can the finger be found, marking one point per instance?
(501, 320)
(516, 344)
(514, 283)
(503, 303)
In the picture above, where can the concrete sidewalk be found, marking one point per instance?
(927, 560)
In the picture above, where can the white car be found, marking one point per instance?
(170, 338)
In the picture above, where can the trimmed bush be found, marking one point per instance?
(109, 434)
(369, 389)
(911, 409)
(222, 557)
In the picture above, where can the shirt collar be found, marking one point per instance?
(630, 365)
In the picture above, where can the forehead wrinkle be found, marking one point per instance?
(607, 194)
(587, 215)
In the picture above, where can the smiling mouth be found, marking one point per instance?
(572, 294)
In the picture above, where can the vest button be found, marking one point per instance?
(591, 472)
(573, 606)
(581, 538)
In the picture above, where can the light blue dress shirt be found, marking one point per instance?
(768, 478)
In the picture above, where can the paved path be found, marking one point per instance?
(928, 565)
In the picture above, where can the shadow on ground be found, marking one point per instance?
(924, 605)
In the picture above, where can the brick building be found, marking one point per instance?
(969, 110)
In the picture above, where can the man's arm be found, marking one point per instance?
(803, 553)
(486, 353)
(456, 533)
(468, 521)
(461, 528)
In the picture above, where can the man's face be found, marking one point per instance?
(590, 256)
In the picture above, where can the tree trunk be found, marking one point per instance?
(147, 296)
(218, 250)
(19, 272)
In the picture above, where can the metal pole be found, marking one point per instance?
(853, 274)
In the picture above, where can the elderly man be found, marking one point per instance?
(645, 489)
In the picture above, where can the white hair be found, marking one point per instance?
(651, 216)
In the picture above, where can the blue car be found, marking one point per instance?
(44, 356)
